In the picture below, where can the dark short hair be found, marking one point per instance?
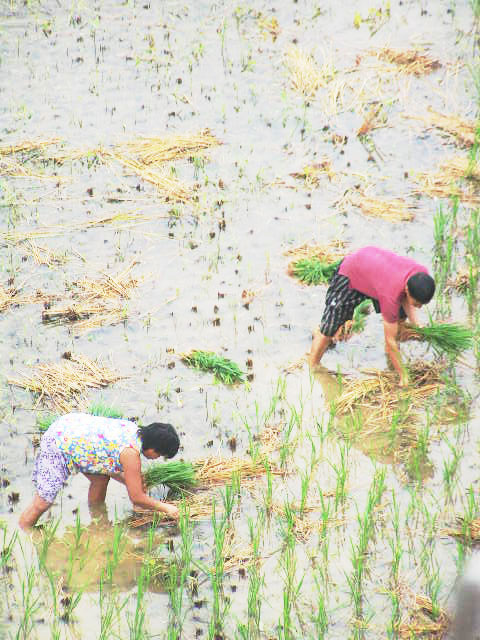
(421, 286)
(161, 437)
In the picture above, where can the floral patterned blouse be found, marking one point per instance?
(93, 444)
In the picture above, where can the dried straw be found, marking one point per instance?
(62, 385)
(199, 505)
(395, 210)
(421, 621)
(441, 184)
(173, 189)
(469, 532)
(14, 169)
(305, 76)
(325, 253)
(462, 130)
(311, 174)
(459, 167)
(42, 255)
(373, 120)
(379, 391)
(110, 286)
(408, 60)
(216, 471)
(169, 148)
(10, 297)
(27, 145)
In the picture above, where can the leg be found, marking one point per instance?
(319, 346)
(97, 489)
(32, 513)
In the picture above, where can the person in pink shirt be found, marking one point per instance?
(396, 285)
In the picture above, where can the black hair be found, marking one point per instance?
(161, 437)
(421, 286)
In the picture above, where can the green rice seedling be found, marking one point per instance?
(268, 493)
(220, 606)
(224, 370)
(7, 546)
(255, 579)
(177, 475)
(43, 422)
(48, 532)
(450, 467)
(100, 409)
(30, 604)
(360, 314)
(321, 616)
(137, 624)
(449, 338)
(313, 271)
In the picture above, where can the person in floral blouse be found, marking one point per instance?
(100, 448)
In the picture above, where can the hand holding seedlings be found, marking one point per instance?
(396, 284)
(101, 448)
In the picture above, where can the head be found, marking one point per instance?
(158, 439)
(420, 289)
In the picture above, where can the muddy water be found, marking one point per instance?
(99, 74)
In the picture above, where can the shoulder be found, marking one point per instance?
(130, 456)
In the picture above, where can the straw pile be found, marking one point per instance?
(395, 210)
(217, 471)
(161, 150)
(305, 76)
(311, 174)
(223, 369)
(422, 621)
(10, 297)
(459, 167)
(379, 391)
(92, 306)
(62, 385)
(408, 60)
(462, 130)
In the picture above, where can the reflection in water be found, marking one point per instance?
(86, 554)
(388, 442)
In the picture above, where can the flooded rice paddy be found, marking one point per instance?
(323, 123)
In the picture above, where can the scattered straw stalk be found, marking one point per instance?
(325, 253)
(63, 384)
(424, 620)
(216, 471)
(444, 184)
(462, 130)
(409, 60)
(27, 145)
(169, 148)
(172, 188)
(305, 77)
(395, 210)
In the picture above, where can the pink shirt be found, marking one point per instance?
(382, 275)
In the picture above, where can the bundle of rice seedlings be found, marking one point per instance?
(174, 147)
(356, 324)
(224, 370)
(176, 475)
(313, 271)
(43, 422)
(450, 338)
(464, 131)
(409, 60)
(100, 409)
(62, 385)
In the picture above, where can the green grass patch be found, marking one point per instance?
(44, 421)
(224, 370)
(175, 475)
(313, 271)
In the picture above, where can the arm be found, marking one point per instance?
(393, 352)
(130, 461)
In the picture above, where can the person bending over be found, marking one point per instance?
(100, 448)
(396, 285)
